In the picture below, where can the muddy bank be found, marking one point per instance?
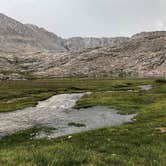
(58, 112)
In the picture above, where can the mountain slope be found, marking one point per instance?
(29, 51)
(17, 37)
(79, 43)
(139, 57)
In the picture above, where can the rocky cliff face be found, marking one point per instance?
(136, 58)
(78, 43)
(28, 51)
(18, 37)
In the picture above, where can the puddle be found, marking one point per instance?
(58, 112)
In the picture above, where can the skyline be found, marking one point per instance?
(95, 18)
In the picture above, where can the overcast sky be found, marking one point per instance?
(96, 18)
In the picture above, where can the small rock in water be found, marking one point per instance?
(146, 87)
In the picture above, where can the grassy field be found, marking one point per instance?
(20, 94)
(141, 142)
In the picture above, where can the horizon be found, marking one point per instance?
(107, 18)
(81, 36)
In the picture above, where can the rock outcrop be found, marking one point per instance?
(78, 43)
(18, 37)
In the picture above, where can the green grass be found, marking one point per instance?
(25, 135)
(125, 102)
(138, 143)
(163, 81)
(20, 94)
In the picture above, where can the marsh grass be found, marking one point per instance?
(125, 102)
(162, 81)
(21, 94)
(138, 143)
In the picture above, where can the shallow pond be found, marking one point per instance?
(58, 112)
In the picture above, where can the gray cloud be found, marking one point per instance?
(89, 17)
